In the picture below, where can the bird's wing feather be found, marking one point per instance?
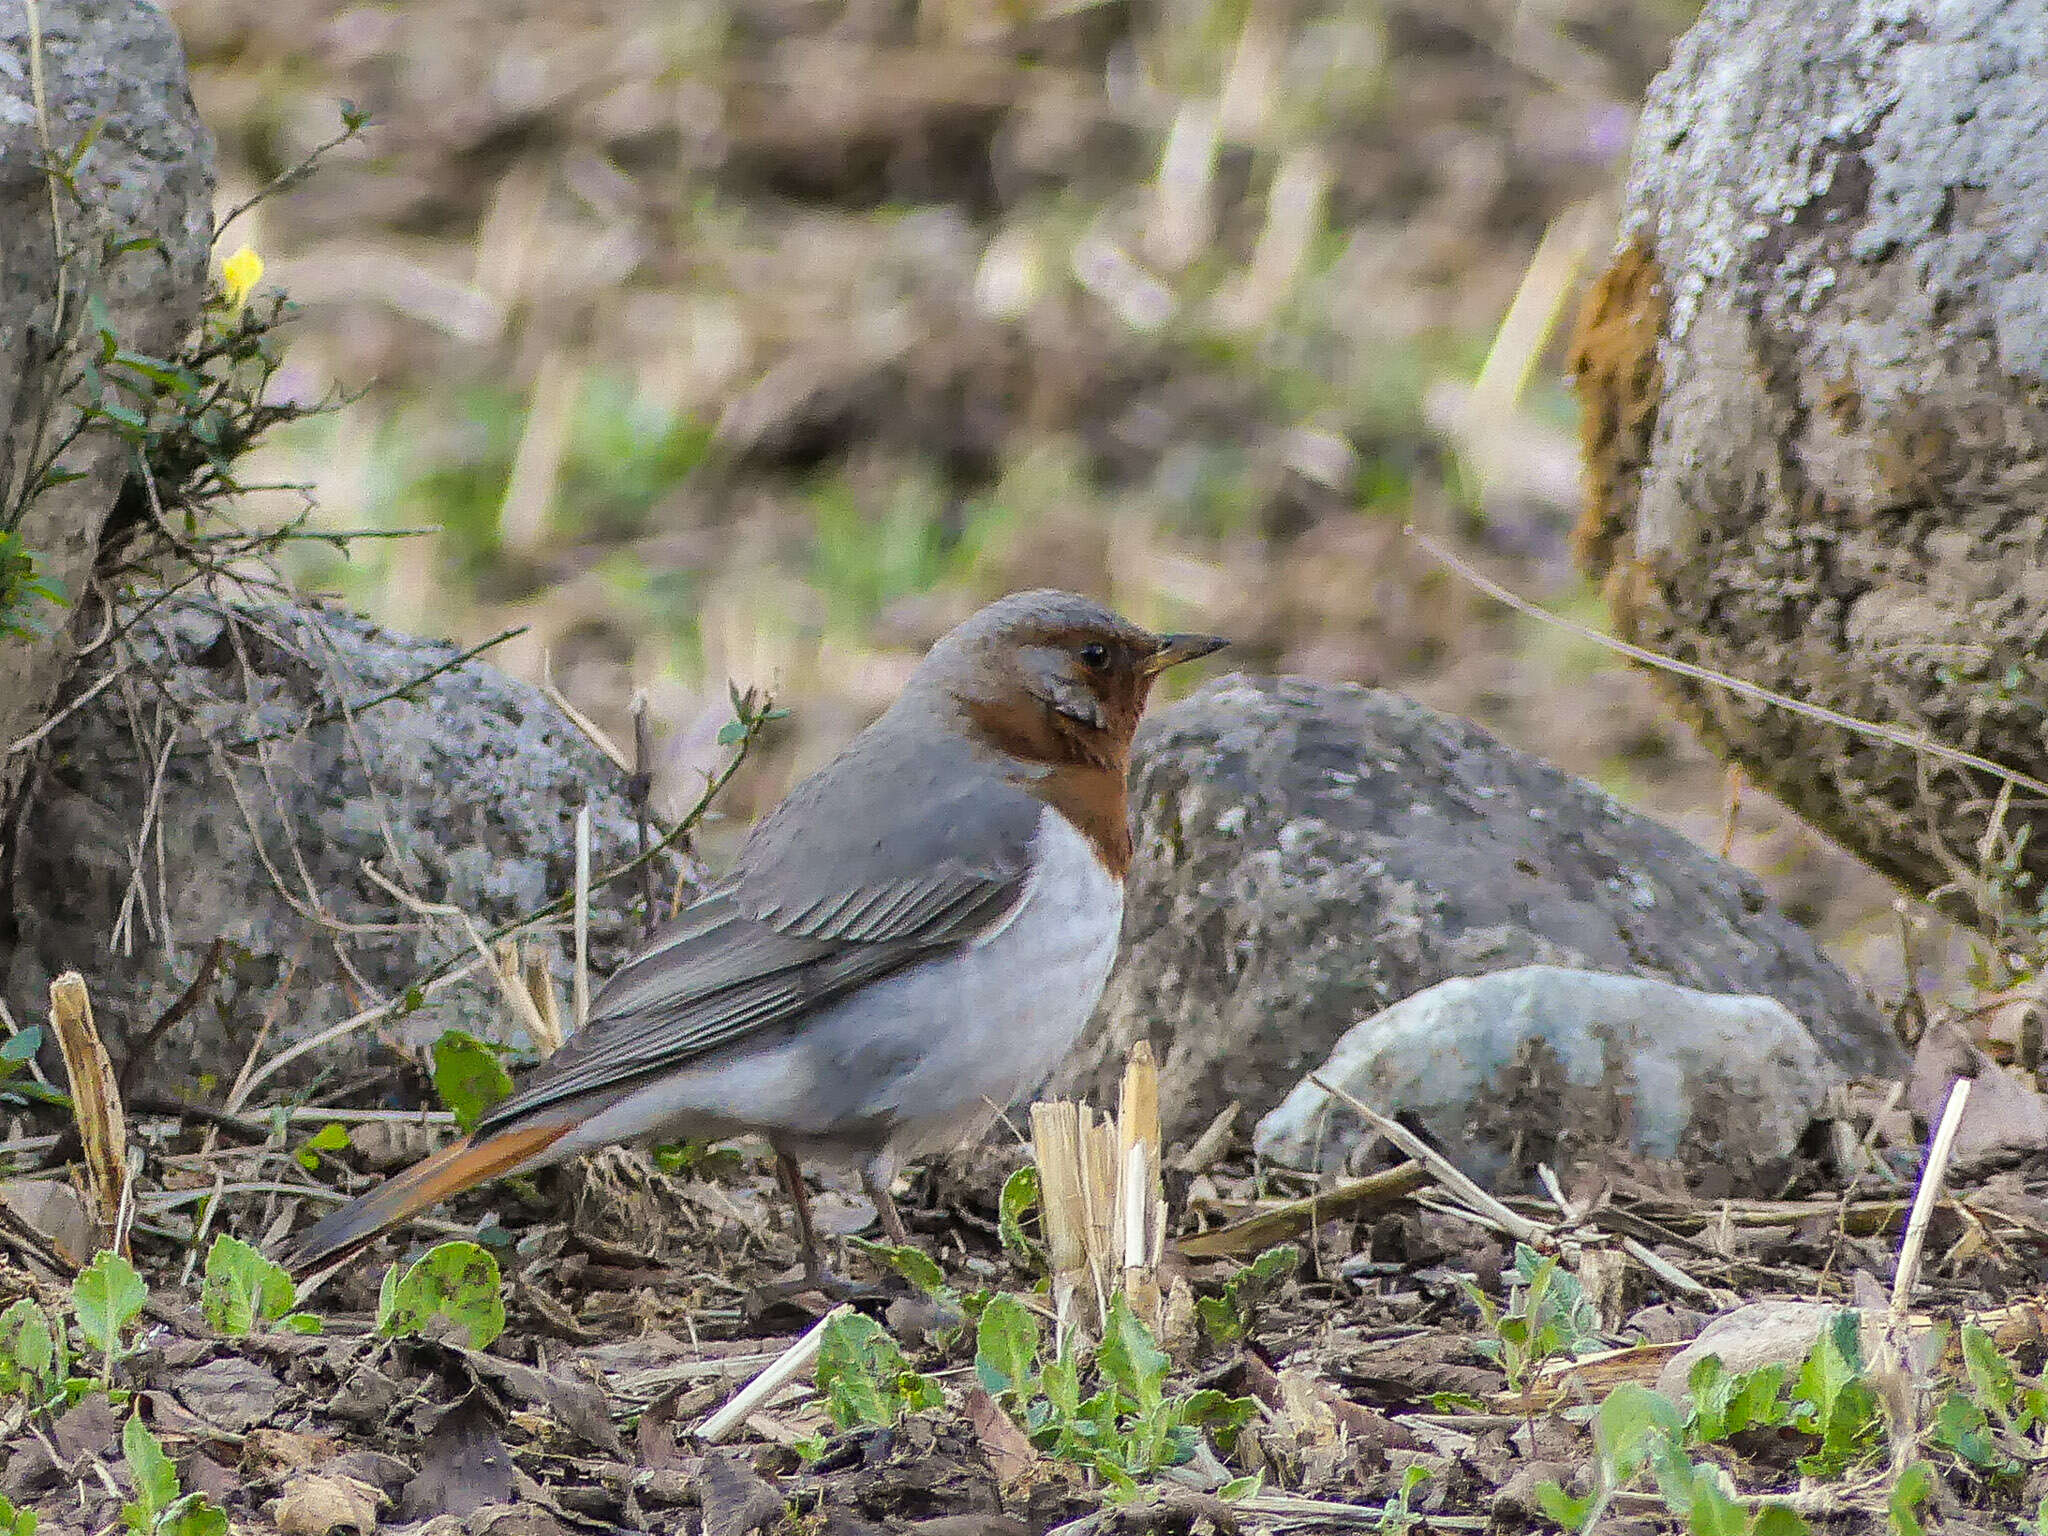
(894, 853)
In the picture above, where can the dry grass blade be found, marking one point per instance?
(1076, 1153)
(516, 979)
(1454, 1180)
(1208, 1146)
(1101, 1199)
(95, 1102)
(511, 985)
(1253, 1234)
(1929, 1195)
(1140, 1199)
(351, 1024)
(1663, 1268)
(1547, 286)
(1896, 735)
(1056, 1148)
(785, 1368)
(581, 1016)
(540, 985)
(1577, 1379)
(588, 728)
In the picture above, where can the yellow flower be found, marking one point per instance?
(239, 274)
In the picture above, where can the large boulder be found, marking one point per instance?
(233, 784)
(132, 233)
(1309, 853)
(1815, 387)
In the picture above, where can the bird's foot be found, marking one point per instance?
(834, 1289)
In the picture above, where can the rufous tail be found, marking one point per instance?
(428, 1182)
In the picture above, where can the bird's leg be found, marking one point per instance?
(792, 1177)
(816, 1277)
(874, 1182)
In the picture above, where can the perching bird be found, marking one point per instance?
(908, 942)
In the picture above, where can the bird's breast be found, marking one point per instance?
(987, 1022)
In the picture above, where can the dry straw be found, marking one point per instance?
(1101, 1201)
(96, 1105)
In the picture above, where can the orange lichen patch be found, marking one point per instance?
(1620, 381)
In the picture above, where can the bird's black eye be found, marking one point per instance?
(1094, 656)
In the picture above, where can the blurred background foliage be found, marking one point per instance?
(763, 339)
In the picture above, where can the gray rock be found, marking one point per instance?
(1309, 853)
(116, 70)
(1815, 390)
(1541, 1064)
(465, 790)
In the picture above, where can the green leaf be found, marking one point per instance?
(1130, 1359)
(1020, 1197)
(1211, 1409)
(1758, 1400)
(1778, 1520)
(1714, 1512)
(242, 1288)
(1712, 1388)
(1830, 1365)
(1678, 1479)
(732, 732)
(107, 1297)
(301, 1322)
(913, 1264)
(1455, 1402)
(1276, 1263)
(331, 1137)
(1562, 1507)
(27, 1350)
(166, 376)
(1006, 1346)
(1991, 1375)
(863, 1377)
(1218, 1319)
(1914, 1486)
(468, 1076)
(1629, 1424)
(193, 1515)
(22, 1044)
(458, 1281)
(155, 1479)
(1241, 1487)
(1061, 1382)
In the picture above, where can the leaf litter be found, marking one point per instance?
(1401, 1362)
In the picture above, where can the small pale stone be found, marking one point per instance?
(1539, 1062)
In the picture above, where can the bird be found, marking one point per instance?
(905, 945)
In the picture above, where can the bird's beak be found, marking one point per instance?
(1175, 649)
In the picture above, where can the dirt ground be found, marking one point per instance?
(637, 1302)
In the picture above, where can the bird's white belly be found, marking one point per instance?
(917, 1059)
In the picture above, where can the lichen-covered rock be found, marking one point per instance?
(1309, 853)
(1815, 383)
(115, 72)
(232, 785)
(1545, 1065)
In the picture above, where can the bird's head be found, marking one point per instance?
(1054, 678)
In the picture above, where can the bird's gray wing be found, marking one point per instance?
(895, 852)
